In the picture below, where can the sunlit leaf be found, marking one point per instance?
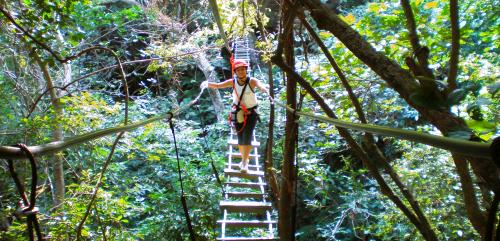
(430, 5)
(350, 19)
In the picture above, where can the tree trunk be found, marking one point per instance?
(268, 162)
(57, 133)
(211, 76)
(287, 191)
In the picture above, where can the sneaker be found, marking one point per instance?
(243, 167)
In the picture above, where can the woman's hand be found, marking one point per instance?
(204, 84)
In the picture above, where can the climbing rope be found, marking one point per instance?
(208, 150)
(27, 208)
(183, 198)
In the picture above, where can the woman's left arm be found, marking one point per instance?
(257, 83)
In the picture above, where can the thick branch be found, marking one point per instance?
(338, 70)
(376, 154)
(370, 143)
(287, 204)
(474, 212)
(421, 53)
(57, 132)
(360, 153)
(492, 219)
(400, 80)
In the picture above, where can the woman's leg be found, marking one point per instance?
(245, 153)
(245, 141)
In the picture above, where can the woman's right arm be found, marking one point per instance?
(212, 85)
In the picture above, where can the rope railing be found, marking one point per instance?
(447, 143)
(451, 144)
(9, 152)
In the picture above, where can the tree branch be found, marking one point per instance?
(360, 153)
(410, 25)
(455, 46)
(371, 147)
(38, 99)
(215, 11)
(268, 161)
(472, 208)
(421, 53)
(38, 42)
(96, 189)
(338, 70)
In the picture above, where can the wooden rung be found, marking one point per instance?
(246, 239)
(245, 206)
(245, 195)
(245, 184)
(238, 155)
(250, 174)
(236, 166)
(234, 142)
(247, 223)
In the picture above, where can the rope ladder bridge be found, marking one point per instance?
(245, 210)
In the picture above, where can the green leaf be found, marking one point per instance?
(481, 126)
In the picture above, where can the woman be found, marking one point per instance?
(243, 94)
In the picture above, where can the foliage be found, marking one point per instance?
(430, 175)
(140, 196)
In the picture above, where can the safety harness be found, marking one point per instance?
(233, 115)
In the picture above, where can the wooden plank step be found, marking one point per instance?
(246, 239)
(250, 174)
(245, 184)
(234, 142)
(245, 206)
(238, 155)
(247, 223)
(236, 166)
(246, 195)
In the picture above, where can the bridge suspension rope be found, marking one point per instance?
(183, 197)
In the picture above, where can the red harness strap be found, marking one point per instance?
(243, 108)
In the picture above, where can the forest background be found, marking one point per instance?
(127, 184)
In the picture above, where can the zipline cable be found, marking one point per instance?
(209, 151)
(183, 198)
